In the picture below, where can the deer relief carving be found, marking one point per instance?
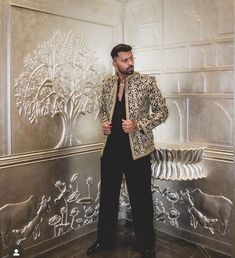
(16, 215)
(32, 228)
(22, 219)
(207, 209)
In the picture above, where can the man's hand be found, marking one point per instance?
(129, 126)
(107, 126)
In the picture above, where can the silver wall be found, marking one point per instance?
(46, 158)
(188, 47)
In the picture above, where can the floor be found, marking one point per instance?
(166, 247)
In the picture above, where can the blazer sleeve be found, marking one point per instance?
(158, 109)
(103, 116)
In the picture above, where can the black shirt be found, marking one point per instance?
(118, 114)
(118, 138)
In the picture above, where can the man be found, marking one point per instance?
(127, 122)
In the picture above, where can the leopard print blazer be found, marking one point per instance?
(144, 104)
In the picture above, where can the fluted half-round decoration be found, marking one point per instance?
(177, 163)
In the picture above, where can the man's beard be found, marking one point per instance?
(130, 70)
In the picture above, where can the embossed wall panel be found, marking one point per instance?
(188, 20)
(173, 130)
(225, 53)
(35, 166)
(196, 76)
(184, 82)
(214, 81)
(176, 58)
(219, 81)
(147, 60)
(144, 23)
(57, 179)
(49, 130)
(210, 121)
(24, 20)
(151, 34)
(217, 171)
(225, 16)
(203, 56)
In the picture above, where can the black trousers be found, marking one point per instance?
(116, 161)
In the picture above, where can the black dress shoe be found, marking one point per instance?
(98, 247)
(148, 253)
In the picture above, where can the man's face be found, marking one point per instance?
(124, 63)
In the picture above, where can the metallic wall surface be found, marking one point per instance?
(49, 178)
(52, 58)
(49, 165)
(30, 32)
(188, 47)
(233, 234)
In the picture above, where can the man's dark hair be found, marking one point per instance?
(120, 48)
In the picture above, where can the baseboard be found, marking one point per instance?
(189, 236)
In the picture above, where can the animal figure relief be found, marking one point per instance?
(207, 209)
(16, 215)
(33, 226)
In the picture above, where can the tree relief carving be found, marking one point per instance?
(60, 78)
